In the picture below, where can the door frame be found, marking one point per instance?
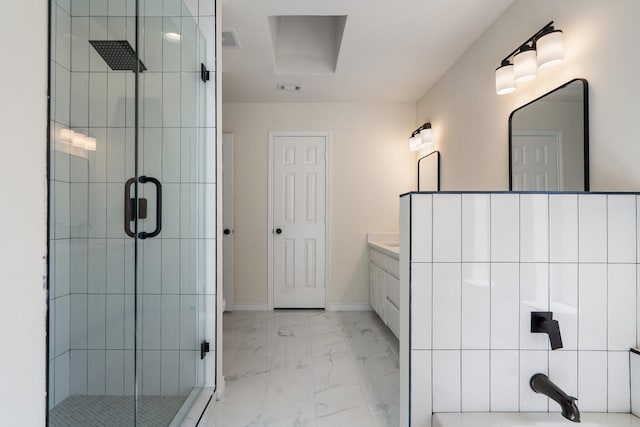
(327, 209)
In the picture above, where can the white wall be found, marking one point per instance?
(369, 166)
(23, 214)
(471, 122)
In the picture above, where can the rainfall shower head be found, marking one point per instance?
(118, 54)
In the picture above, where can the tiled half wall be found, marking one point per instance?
(474, 265)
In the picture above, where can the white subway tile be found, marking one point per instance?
(635, 382)
(189, 86)
(152, 158)
(621, 300)
(115, 266)
(62, 267)
(80, 7)
(78, 322)
(475, 380)
(534, 228)
(170, 322)
(96, 372)
(61, 366)
(534, 296)
(97, 255)
(621, 222)
(51, 394)
(592, 307)
(129, 321)
(172, 7)
(151, 371)
(62, 214)
(62, 38)
(151, 321)
(207, 8)
(151, 270)
(421, 227)
(170, 155)
(563, 228)
(447, 240)
(504, 381)
(563, 299)
(114, 367)
(505, 283)
(476, 227)
(188, 312)
(78, 267)
(170, 371)
(115, 321)
(96, 328)
(188, 371)
(446, 306)
(97, 210)
(62, 94)
(116, 100)
(210, 155)
(189, 217)
(171, 99)
(129, 376)
(152, 103)
(618, 382)
(80, 44)
(171, 48)
(446, 381)
(79, 99)
(98, 8)
(532, 362)
(79, 210)
(476, 305)
(98, 99)
(78, 372)
(117, 8)
(563, 371)
(171, 210)
(170, 266)
(505, 229)
(98, 158)
(113, 214)
(592, 228)
(592, 381)
(62, 325)
(189, 155)
(421, 306)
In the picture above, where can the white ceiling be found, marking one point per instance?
(392, 50)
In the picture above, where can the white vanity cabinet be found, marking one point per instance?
(384, 284)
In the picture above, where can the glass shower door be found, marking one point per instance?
(131, 294)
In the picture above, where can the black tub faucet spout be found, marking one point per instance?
(540, 383)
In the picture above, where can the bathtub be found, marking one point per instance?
(537, 419)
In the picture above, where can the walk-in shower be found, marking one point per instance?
(132, 261)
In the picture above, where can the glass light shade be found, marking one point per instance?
(90, 144)
(505, 82)
(426, 135)
(415, 142)
(525, 65)
(550, 48)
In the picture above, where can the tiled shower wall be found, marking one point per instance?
(92, 270)
(480, 263)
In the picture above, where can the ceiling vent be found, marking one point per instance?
(230, 39)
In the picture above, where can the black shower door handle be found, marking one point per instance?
(143, 180)
(130, 208)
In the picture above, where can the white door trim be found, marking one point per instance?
(272, 137)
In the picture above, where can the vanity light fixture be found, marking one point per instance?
(420, 137)
(542, 50)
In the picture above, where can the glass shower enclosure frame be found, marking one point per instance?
(132, 200)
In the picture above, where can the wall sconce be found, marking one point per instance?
(420, 137)
(542, 50)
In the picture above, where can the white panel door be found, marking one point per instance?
(536, 161)
(227, 220)
(299, 168)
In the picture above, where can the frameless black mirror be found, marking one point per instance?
(549, 141)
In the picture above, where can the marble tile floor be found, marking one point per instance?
(308, 368)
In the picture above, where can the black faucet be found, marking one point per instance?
(540, 383)
(542, 321)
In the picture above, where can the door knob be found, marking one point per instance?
(278, 230)
(227, 231)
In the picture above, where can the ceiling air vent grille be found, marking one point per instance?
(230, 39)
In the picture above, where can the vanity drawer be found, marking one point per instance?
(393, 318)
(393, 290)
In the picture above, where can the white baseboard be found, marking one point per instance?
(249, 307)
(349, 307)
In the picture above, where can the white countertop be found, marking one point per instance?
(533, 419)
(387, 243)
